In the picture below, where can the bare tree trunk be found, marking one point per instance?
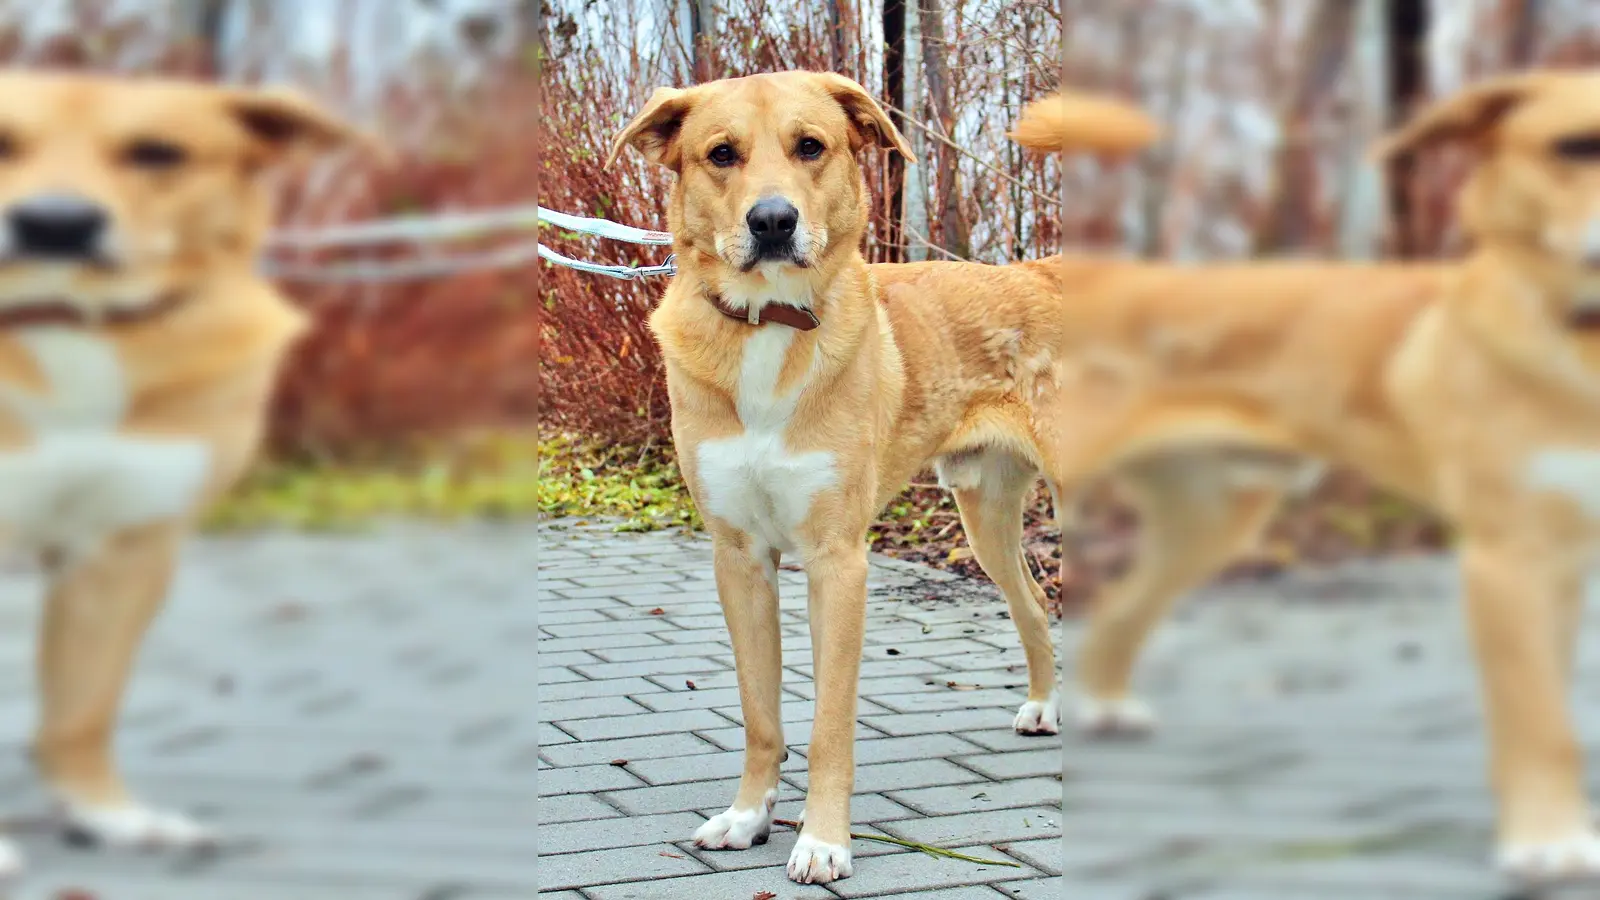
(935, 49)
(1362, 214)
(532, 15)
(914, 211)
(1289, 211)
(1407, 77)
(837, 16)
(702, 35)
(1524, 38)
(894, 52)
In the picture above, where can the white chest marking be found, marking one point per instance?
(1570, 471)
(753, 481)
(77, 479)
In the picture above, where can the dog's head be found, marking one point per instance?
(1536, 185)
(115, 193)
(766, 165)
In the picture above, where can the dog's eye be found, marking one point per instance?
(1579, 148)
(723, 155)
(809, 148)
(154, 155)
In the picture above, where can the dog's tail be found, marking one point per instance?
(1084, 123)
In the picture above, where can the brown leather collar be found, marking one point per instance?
(1584, 319)
(63, 312)
(780, 313)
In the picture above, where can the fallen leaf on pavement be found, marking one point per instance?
(763, 895)
(690, 685)
(288, 611)
(619, 762)
(658, 611)
(672, 855)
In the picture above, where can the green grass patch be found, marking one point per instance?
(642, 488)
(499, 478)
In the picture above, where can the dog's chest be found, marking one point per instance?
(76, 478)
(753, 481)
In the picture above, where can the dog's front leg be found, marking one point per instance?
(1513, 604)
(95, 617)
(747, 585)
(837, 608)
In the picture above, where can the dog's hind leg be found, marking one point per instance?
(95, 617)
(1193, 518)
(747, 586)
(990, 496)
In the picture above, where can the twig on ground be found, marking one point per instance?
(913, 845)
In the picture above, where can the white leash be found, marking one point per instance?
(611, 230)
(428, 230)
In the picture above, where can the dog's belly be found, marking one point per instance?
(755, 485)
(77, 477)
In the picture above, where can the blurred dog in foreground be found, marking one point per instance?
(138, 348)
(1472, 388)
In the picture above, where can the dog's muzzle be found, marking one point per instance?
(772, 222)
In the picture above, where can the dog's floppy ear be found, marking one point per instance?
(283, 122)
(1468, 115)
(869, 124)
(654, 131)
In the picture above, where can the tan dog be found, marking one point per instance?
(804, 395)
(807, 387)
(137, 351)
(1473, 388)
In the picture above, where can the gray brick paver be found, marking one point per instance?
(655, 747)
(735, 885)
(608, 834)
(633, 686)
(624, 864)
(990, 827)
(641, 723)
(686, 666)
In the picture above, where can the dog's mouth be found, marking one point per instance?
(96, 263)
(66, 307)
(784, 254)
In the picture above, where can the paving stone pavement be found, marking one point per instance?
(1320, 740)
(642, 741)
(356, 713)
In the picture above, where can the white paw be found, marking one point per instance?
(1577, 857)
(815, 862)
(737, 829)
(137, 827)
(10, 863)
(1124, 717)
(1039, 716)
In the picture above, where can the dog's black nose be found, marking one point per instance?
(772, 220)
(60, 226)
